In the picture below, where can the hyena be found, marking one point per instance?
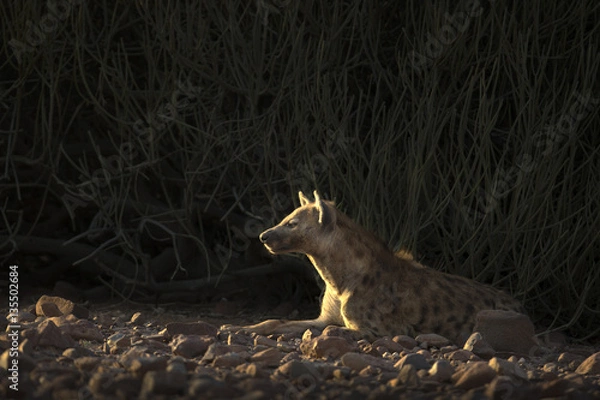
(368, 288)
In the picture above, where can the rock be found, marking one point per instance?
(48, 310)
(126, 386)
(87, 363)
(269, 357)
(405, 341)
(128, 357)
(245, 340)
(141, 365)
(101, 384)
(389, 344)
(190, 346)
(432, 339)
(296, 369)
(162, 383)
(138, 319)
(555, 388)
(310, 334)
(473, 375)
(590, 366)
(501, 387)
(506, 331)
(48, 334)
(503, 367)
(191, 328)
(358, 362)
(209, 388)
(118, 340)
(77, 352)
(477, 345)
(416, 360)
(567, 358)
(260, 340)
(78, 328)
(22, 316)
(25, 362)
(64, 307)
(326, 347)
(460, 355)
(407, 377)
(217, 349)
(338, 331)
(441, 371)
(228, 360)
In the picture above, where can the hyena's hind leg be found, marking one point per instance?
(330, 315)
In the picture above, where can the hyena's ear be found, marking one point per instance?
(326, 213)
(303, 200)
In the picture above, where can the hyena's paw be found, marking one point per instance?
(267, 327)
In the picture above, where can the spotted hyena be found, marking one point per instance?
(368, 288)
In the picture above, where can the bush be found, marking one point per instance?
(149, 143)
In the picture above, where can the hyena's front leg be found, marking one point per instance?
(280, 326)
(330, 315)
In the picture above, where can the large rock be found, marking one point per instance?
(52, 306)
(506, 331)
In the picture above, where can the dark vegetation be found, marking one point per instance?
(145, 144)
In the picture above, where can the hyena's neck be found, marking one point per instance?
(348, 254)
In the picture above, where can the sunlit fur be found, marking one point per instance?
(369, 289)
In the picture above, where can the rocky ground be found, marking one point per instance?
(68, 352)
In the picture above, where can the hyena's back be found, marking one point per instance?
(412, 299)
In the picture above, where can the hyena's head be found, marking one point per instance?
(304, 230)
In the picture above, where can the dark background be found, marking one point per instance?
(144, 144)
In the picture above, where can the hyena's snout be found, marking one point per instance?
(264, 237)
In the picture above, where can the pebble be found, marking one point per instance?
(590, 365)
(269, 357)
(405, 341)
(432, 339)
(441, 371)
(358, 362)
(473, 375)
(326, 347)
(418, 361)
(479, 346)
(190, 346)
(504, 367)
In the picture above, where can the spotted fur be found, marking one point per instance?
(368, 288)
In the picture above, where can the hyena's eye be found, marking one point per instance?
(292, 223)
